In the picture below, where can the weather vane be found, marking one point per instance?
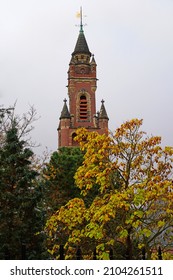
(80, 15)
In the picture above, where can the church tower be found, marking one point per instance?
(82, 85)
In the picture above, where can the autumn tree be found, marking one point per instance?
(134, 205)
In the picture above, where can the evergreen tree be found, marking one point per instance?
(58, 176)
(19, 196)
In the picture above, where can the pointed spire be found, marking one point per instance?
(65, 112)
(81, 45)
(93, 60)
(103, 113)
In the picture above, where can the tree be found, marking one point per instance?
(19, 197)
(58, 174)
(24, 123)
(134, 206)
(59, 183)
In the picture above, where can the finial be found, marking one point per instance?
(102, 101)
(80, 15)
(81, 24)
(65, 100)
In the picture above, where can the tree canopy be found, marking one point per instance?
(58, 177)
(19, 197)
(133, 208)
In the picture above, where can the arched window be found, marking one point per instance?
(83, 107)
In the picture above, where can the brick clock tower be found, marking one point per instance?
(82, 84)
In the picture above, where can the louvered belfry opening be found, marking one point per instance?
(83, 107)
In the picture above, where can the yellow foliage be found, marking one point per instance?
(133, 177)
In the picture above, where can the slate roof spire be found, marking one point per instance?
(103, 113)
(81, 44)
(65, 112)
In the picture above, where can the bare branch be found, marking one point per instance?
(24, 123)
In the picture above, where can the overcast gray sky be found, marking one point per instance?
(132, 41)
